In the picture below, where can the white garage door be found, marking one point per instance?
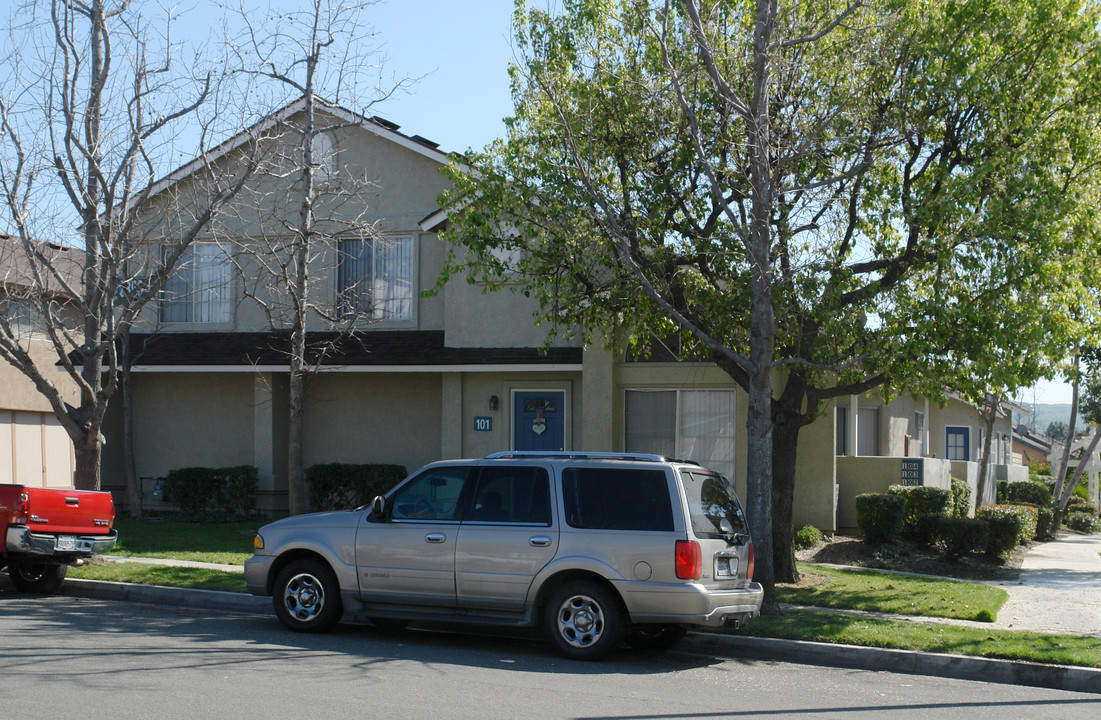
(34, 450)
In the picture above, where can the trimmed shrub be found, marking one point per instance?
(1001, 535)
(1082, 522)
(925, 530)
(1077, 504)
(191, 489)
(959, 536)
(238, 493)
(961, 498)
(1000, 491)
(194, 489)
(1028, 493)
(807, 537)
(921, 500)
(1045, 523)
(1026, 518)
(880, 516)
(335, 486)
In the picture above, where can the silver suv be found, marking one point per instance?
(594, 547)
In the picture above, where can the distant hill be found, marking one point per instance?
(1045, 414)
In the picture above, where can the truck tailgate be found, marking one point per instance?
(72, 512)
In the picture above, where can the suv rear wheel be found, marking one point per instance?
(655, 637)
(41, 578)
(583, 620)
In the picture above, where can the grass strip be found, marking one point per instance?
(170, 576)
(224, 543)
(892, 593)
(928, 637)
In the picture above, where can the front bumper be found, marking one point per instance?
(257, 569)
(22, 541)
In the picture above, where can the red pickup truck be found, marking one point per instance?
(48, 529)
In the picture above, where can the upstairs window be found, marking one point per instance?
(321, 151)
(200, 289)
(375, 278)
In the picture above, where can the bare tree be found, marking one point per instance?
(314, 214)
(93, 94)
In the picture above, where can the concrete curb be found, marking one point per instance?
(908, 662)
(160, 595)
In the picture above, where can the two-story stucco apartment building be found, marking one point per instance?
(457, 373)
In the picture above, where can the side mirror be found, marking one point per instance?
(378, 507)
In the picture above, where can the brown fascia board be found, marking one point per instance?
(423, 348)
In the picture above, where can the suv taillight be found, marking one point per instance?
(19, 510)
(689, 560)
(750, 563)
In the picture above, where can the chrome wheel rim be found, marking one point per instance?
(304, 597)
(580, 621)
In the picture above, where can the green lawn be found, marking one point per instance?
(225, 543)
(928, 637)
(143, 574)
(893, 593)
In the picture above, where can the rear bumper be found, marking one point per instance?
(22, 541)
(692, 604)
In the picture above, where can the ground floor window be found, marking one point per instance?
(686, 424)
(957, 443)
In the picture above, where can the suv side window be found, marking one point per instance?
(617, 499)
(713, 505)
(512, 494)
(432, 495)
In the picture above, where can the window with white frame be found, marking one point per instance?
(375, 277)
(200, 289)
(687, 424)
(919, 434)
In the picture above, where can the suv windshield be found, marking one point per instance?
(713, 505)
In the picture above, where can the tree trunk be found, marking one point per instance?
(87, 451)
(785, 441)
(133, 486)
(989, 415)
(296, 481)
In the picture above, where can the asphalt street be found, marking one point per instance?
(89, 658)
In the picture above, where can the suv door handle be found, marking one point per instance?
(435, 537)
(539, 541)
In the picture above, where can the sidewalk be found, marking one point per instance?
(1059, 589)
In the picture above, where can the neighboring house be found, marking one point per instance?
(457, 373)
(1031, 446)
(913, 441)
(35, 450)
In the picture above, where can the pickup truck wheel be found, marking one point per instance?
(583, 620)
(307, 597)
(655, 637)
(40, 578)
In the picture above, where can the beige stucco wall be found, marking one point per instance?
(859, 475)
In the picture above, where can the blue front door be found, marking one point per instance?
(538, 420)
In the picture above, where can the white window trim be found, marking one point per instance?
(414, 271)
(231, 284)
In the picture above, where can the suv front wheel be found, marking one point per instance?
(583, 620)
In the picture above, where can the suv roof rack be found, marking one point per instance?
(569, 455)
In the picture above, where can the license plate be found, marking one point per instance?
(66, 542)
(726, 567)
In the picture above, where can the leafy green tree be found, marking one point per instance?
(1057, 430)
(842, 196)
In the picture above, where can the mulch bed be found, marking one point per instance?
(911, 558)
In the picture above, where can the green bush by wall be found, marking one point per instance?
(335, 486)
(880, 516)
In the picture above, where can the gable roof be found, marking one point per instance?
(376, 125)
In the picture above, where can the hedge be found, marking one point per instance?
(960, 536)
(1082, 522)
(808, 536)
(921, 500)
(1029, 493)
(334, 486)
(1026, 518)
(233, 489)
(961, 498)
(880, 516)
(1002, 533)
